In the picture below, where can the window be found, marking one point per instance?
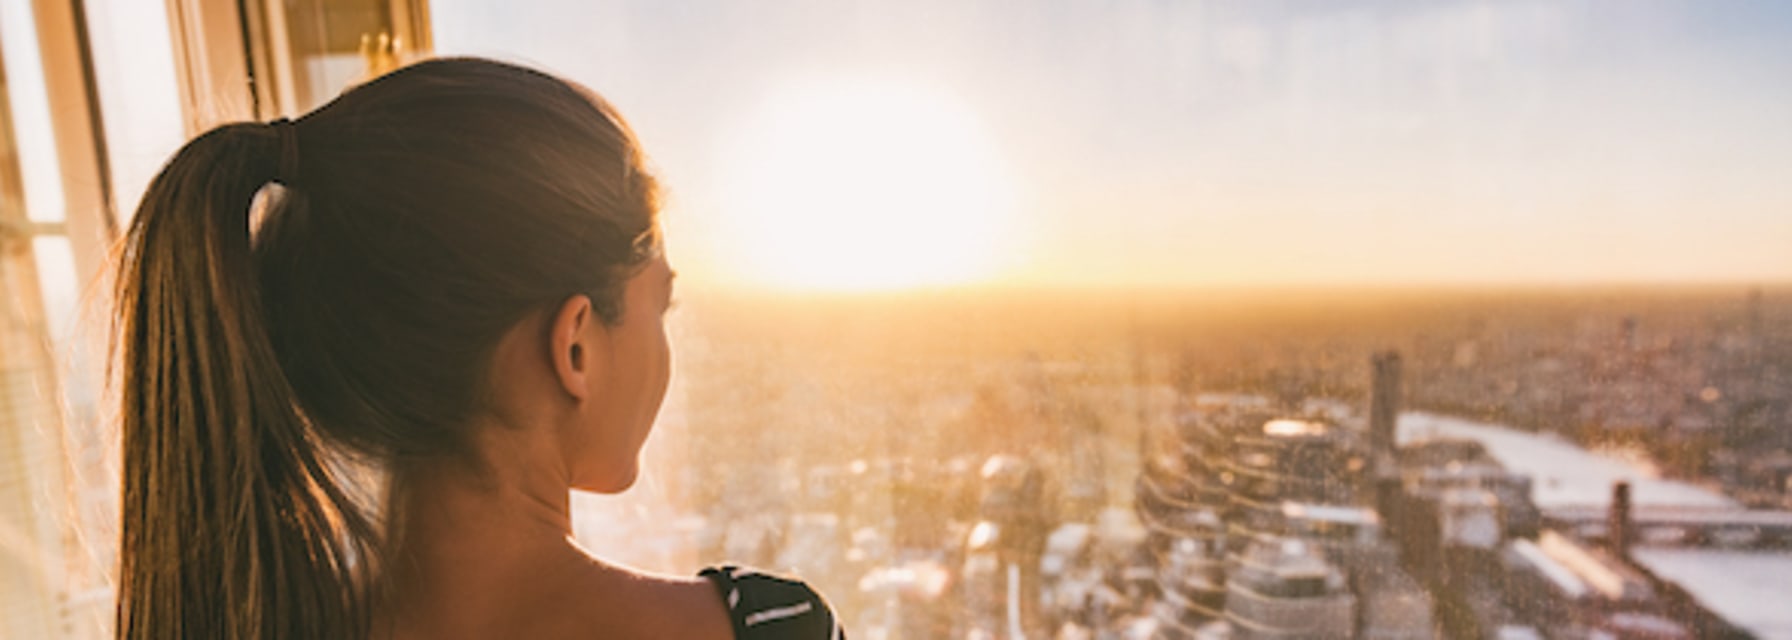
(1113, 241)
(53, 222)
(1072, 319)
(94, 97)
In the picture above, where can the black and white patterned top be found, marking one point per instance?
(763, 606)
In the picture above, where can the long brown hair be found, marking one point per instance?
(422, 215)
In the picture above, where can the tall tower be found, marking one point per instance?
(1384, 409)
(1752, 327)
(1619, 528)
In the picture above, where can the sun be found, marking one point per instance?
(856, 185)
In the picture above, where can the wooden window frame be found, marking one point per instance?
(234, 62)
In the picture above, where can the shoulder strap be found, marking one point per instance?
(766, 606)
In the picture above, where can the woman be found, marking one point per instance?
(461, 283)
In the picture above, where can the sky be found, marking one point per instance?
(1180, 142)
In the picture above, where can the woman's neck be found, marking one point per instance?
(477, 543)
(485, 550)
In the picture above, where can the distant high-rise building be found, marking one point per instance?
(1384, 409)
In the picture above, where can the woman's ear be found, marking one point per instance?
(572, 351)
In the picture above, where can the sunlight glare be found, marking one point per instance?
(863, 186)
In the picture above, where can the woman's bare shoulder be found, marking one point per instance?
(651, 605)
(576, 601)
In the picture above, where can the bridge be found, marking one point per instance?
(1655, 526)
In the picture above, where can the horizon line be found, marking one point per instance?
(1683, 286)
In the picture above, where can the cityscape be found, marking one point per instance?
(1118, 466)
(1056, 320)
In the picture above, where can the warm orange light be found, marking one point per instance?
(858, 185)
(1293, 428)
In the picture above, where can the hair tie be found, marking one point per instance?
(286, 172)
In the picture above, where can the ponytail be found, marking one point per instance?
(427, 212)
(233, 525)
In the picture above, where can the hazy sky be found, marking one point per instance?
(1186, 142)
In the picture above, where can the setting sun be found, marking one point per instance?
(857, 186)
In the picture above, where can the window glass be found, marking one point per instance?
(31, 137)
(139, 93)
(990, 309)
(309, 51)
(58, 459)
(1119, 319)
(33, 576)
